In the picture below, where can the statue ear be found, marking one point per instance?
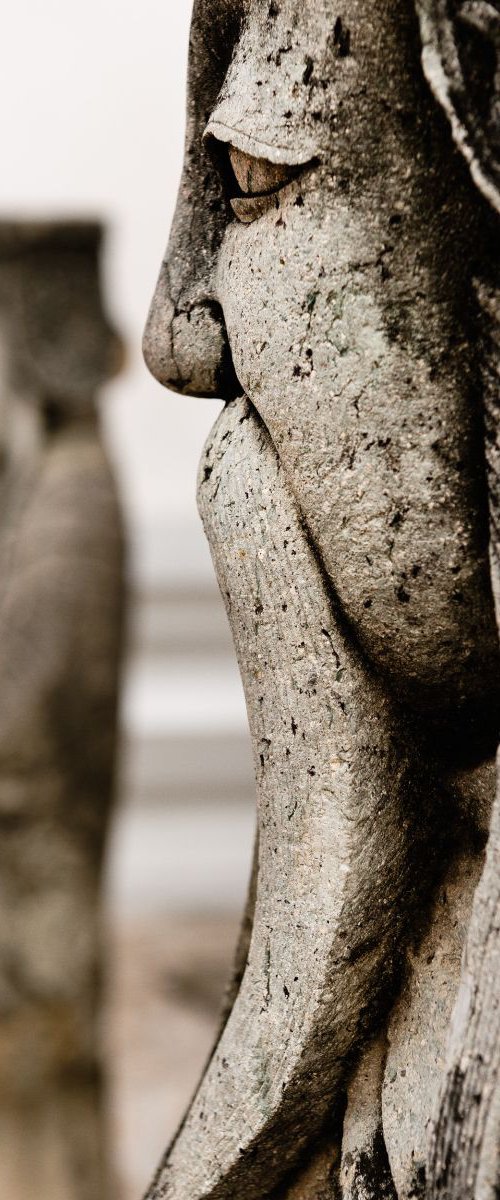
(461, 60)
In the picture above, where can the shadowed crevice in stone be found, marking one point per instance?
(370, 1173)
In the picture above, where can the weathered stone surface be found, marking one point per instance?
(60, 631)
(461, 45)
(365, 1170)
(326, 744)
(461, 42)
(464, 1150)
(419, 1024)
(342, 302)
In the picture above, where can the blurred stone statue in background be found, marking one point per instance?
(61, 601)
(332, 275)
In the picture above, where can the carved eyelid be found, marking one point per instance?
(255, 147)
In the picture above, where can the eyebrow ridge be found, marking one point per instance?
(242, 141)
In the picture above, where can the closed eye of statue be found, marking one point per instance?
(258, 184)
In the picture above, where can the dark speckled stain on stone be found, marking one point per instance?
(372, 1178)
(418, 1183)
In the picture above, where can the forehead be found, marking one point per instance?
(289, 67)
(271, 15)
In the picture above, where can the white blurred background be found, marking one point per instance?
(92, 120)
(92, 123)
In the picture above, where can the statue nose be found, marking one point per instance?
(187, 348)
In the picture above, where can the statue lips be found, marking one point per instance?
(171, 331)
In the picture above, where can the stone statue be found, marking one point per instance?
(332, 276)
(60, 621)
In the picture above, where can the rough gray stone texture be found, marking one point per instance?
(464, 1152)
(461, 44)
(322, 261)
(60, 631)
(418, 1026)
(334, 804)
(365, 1169)
(461, 60)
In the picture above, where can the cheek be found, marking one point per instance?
(270, 278)
(294, 311)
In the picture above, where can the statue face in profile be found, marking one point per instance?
(318, 280)
(311, 267)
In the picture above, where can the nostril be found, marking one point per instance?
(187, 350)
